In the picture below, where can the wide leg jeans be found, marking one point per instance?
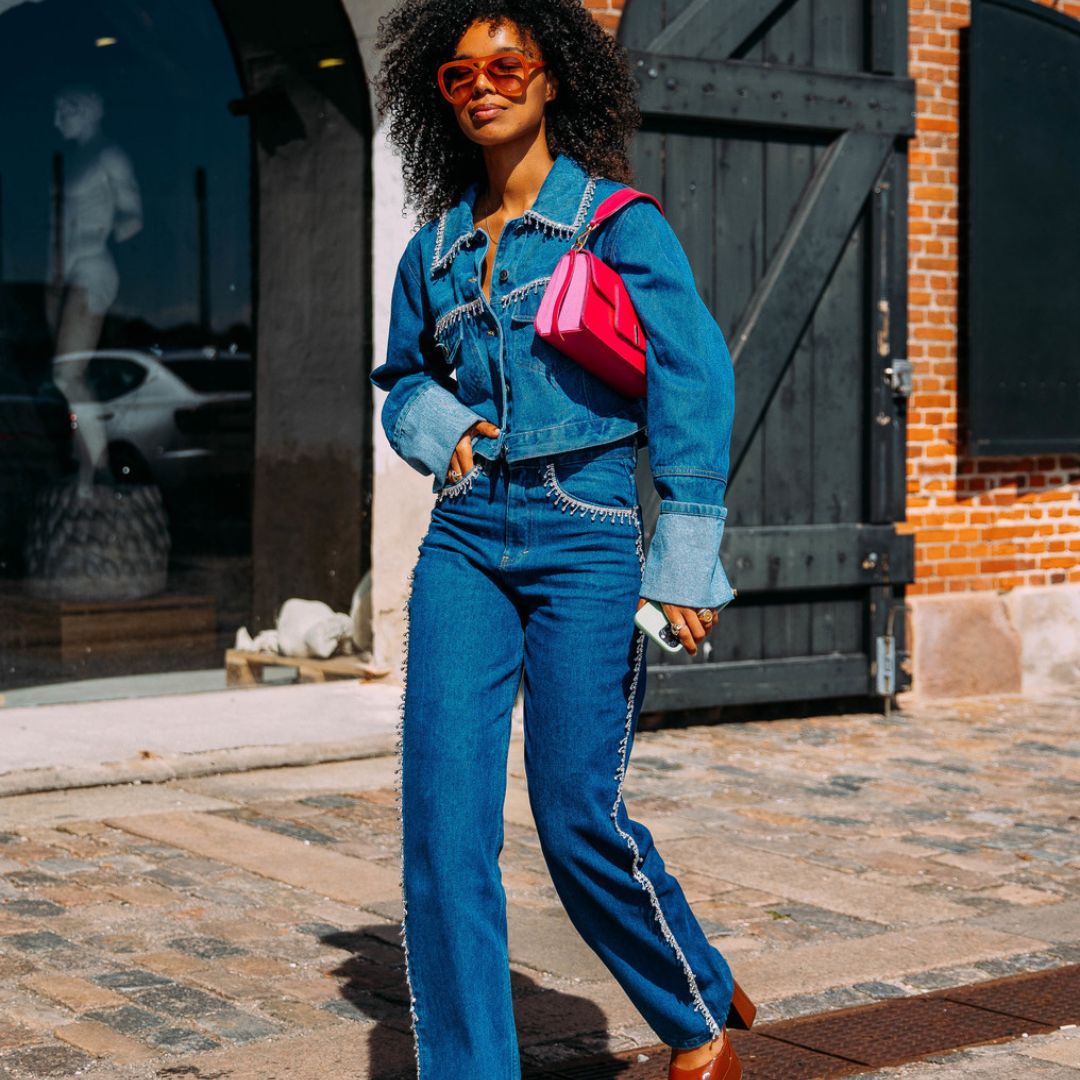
(530, 573)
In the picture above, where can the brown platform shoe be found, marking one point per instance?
(724, 1064)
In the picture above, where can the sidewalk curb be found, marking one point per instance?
(158, 768)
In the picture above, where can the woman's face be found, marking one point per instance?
(489, 117)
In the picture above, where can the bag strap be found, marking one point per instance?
(610, 207)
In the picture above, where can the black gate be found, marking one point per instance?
(775, 135)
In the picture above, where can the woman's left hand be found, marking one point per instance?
(693, 629)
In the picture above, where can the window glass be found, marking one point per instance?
(126, 365)
(110, 377)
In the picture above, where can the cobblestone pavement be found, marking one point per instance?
(246, 926)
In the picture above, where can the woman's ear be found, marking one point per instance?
(552, 86)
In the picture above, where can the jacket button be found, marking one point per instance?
(504, 276)
(491, 333)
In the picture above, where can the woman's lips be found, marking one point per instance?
(486, 112)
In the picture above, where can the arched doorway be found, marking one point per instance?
(184, 258)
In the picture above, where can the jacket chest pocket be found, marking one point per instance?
(448, 350)
(533, 353)
(464, 360)
(522, 334)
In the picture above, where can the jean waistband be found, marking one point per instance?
(625, 448)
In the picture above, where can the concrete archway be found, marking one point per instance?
(306, 95)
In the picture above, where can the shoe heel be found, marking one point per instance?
(743, 1010)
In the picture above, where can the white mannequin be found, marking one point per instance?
(101, 199)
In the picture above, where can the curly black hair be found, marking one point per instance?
(591, 119)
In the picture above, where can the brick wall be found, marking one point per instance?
(607, 12)
(984, 523)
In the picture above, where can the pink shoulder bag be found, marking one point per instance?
(587, 313)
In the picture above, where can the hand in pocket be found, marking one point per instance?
(462, 458)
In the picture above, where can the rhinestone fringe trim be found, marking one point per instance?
(523, 290)
(456, 488)
(567, 502)
(639, 875)
(401, 816)
(473, 307)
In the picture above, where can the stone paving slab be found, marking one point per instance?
(799, 879)
(248, 925)
(1060, 1049)
(282, 858)
(63, 808)
(890, 955)
(1059, 923)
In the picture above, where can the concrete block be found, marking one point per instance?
(962, 644)
(1047, 618)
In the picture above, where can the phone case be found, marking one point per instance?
(650, 617)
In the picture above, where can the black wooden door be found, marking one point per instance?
(775, 135)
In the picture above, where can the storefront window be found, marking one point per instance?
(126, 351)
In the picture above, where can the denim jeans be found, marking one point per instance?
(531, 570)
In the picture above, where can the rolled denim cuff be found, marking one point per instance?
(428, 429)
(683, 564)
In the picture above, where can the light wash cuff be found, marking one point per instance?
(428, 429)
(683, 564)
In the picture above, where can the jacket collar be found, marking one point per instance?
(561, 209)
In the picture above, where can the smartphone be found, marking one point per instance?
(650, 617)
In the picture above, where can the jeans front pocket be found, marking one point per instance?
(458, 487)
(601, 487)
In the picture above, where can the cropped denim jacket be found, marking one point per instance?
(454, 358)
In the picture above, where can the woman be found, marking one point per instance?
(512, 120)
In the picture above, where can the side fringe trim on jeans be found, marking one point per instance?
(401, 815)
(639, 876)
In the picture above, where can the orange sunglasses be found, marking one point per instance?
(509, 72)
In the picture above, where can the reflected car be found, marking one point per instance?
(182, 419)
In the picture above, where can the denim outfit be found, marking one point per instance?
(454, 358)
(529, 573)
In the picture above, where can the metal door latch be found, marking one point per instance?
(885, 667)
(898, 376)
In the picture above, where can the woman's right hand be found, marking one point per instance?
(462, 458)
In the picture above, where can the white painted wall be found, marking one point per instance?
(402, 497)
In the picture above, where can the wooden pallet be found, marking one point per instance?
(246, 668)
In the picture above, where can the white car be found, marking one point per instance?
(182, 419)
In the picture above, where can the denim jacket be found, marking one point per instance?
(454, 358)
